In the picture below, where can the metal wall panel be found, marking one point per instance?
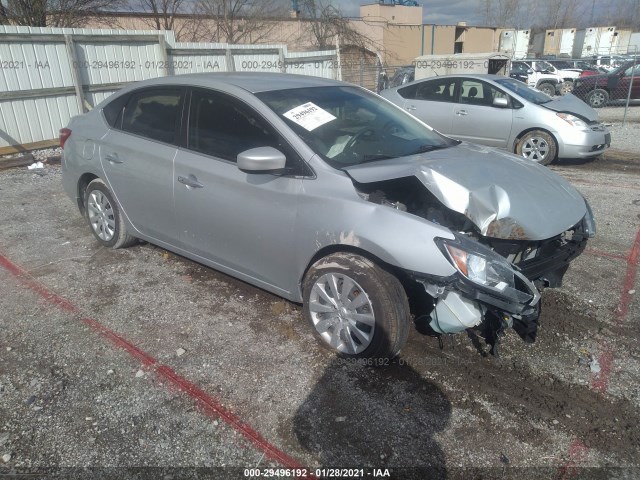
(39, 61)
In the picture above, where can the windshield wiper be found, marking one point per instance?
(428, 148)
(373, 158)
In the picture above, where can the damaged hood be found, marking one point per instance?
(569, 103)
(505, 196)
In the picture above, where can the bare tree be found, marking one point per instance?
(562, 13)
(503, 13)
(160, 14)
(326, 23)
(176, 15)
(625, 14)
(54, 13)
(240, 21)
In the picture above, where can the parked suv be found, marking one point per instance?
(570, 70)
(540, 75)
(598, 90)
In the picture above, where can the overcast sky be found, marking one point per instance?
(434, 11)
(450, 12)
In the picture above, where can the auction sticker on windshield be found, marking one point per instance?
(309, 116)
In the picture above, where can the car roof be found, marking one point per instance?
(477, 76)
(253, 82)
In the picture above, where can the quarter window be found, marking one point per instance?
(113, 111)
(153, 114)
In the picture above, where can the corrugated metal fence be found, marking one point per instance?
(48, 75)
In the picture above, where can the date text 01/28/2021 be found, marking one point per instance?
(317, 472)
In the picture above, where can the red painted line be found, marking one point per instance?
(598, 253)
(606, 358)
(210, 406)
(577, 453)
(629, 280)
(578, 450)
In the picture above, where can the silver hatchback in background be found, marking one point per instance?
(326, 194)
(501, 112)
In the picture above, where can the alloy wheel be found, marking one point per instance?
(101, 215)
(342, 313)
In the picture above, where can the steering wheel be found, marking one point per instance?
(392, 127)
(357, 136)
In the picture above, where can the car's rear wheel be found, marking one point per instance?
(538, 146)
(356, 308)
(548, 88)
(103, 216)
(597, 98)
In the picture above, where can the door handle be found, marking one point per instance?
(462, 113)
(112, 158)
(190, 181)
(410, 107)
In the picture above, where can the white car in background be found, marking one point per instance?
(539, 74)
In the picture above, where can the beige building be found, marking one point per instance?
(396, 33)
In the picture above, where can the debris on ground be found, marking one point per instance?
(594, 365)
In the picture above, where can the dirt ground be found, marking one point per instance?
(139, 363)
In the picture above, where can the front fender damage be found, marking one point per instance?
(538, 231)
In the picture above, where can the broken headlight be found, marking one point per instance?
(477, 263)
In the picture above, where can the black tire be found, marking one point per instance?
(533, 144)
(597, 98)
(114, 235)
(547, 88)
(386, 298)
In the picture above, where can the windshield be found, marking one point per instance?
(542, 65)
(347, 125)
(528, 93)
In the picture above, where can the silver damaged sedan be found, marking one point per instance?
(328, 195)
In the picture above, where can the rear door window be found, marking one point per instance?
(437, 90)
(154, 113)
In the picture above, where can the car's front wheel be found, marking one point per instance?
(597, 98)
(355, 307)
(538, 146)
(104, 218)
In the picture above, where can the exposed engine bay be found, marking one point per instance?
(473, 299)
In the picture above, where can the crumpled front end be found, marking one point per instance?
(498, 282)
(512, 237)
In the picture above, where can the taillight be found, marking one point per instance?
(65, 133)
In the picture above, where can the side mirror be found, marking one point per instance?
(530, 71)
(500, 102)
(261, 160)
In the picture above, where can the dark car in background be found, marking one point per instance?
(598, 90)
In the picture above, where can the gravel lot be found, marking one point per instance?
(209, 372)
